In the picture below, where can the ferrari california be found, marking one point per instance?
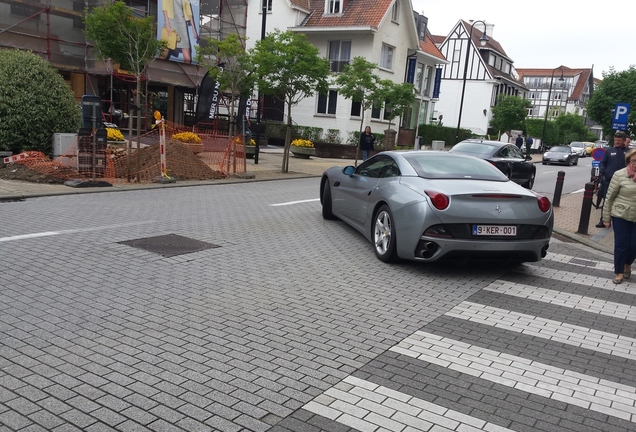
(431, 206)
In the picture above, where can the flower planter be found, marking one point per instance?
(303, 152)
(250, 151)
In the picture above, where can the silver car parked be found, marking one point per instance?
(429, 206)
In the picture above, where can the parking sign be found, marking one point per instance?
(621, 113)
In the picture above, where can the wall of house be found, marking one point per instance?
(282, 17)
(476, 99)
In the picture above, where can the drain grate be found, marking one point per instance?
(169, 245)
(583, 262)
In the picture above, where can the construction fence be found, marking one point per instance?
(207, 155)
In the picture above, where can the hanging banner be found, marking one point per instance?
(178, 25)
(208, 101)
(438, 83)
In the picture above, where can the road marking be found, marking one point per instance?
(567, 386)
(570, 334)
(366, 406)
(576, 261)
(588, 280)
(294, 202)
(71, 231)
(572, 301)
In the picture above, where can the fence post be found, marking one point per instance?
(556, 200)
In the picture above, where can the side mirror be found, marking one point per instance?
(348, 170)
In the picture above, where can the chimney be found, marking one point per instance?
(489, 28)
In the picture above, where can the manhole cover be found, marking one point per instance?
(169, 245)
(583, 262)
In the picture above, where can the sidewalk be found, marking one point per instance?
(566, 216)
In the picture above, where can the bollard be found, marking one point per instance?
(556, 200)
(586, 208)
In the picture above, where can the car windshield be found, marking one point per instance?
(561, 149)
(477, 148)
(449, 166)
(577, 144)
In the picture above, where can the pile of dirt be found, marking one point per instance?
(144, 165)
(181, 161)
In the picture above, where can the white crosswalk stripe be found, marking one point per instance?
(568, 300)
(516, 372)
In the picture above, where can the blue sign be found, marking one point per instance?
(410, 74)
(438, 83)
(621, 113)
(595, 163)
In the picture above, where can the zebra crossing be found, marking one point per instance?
(550, 346)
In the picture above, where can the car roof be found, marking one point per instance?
(484, 141)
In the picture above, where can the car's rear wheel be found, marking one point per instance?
(530, 183)
(570, 162)
(384, 235)
(327, 210)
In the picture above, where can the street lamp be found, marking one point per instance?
(482, 40)
(547, 107)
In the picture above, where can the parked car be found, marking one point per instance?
(507, 157)
(579, 148)
(564, 155)
(429, 206)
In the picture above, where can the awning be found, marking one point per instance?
(174, 73)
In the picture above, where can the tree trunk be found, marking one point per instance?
(287, 140)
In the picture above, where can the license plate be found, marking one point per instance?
(495, 230)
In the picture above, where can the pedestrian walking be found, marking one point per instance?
(529, 142)
(367, 141)
(519, 142)
(613, 160)
(619, 212)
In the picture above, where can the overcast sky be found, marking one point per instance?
(548, 33)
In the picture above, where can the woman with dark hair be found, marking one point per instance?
(367, 140)
(619, 211)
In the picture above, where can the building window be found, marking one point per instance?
(339, 55)
(428, 79)
(557, 96)
(379, 111)
(387, 57)
(327, 103)
(419, 77)
(532, 95)
(491, 60)
(356, 109)
(333, 6)
(395, 12)
(530, 111)
(268, 4)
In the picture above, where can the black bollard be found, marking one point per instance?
(586, 208)
(556, 200)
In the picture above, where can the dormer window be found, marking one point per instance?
(334, 6)
(267, 4)
(395, 13)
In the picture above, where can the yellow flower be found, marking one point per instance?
(298, 142)
(187, 137)
(251, 143)
(114, 135)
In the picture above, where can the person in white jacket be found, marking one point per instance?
(619, 212)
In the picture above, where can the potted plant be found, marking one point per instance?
(250, 149)
(302, 148)
(114, 137)
(192, 140)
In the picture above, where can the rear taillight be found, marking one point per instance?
(544, 203)
(439, 200)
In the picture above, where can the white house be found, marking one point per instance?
(385, 32)
(488, 70)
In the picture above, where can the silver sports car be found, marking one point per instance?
(429, 206)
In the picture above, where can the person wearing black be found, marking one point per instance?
(519, 142)
(367, 140)
(529, 142)
(613, 160)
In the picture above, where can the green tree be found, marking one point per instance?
(131, 41)
(570, 127)
(358, 83)
(289, 68)
(615, 87)
(397, 98)
(509, 113)
(231, 66)
(35, 103)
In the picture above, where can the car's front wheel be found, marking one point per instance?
(384, 235)
(327, 210)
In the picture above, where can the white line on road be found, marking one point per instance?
(71, 231)
(295, 202)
